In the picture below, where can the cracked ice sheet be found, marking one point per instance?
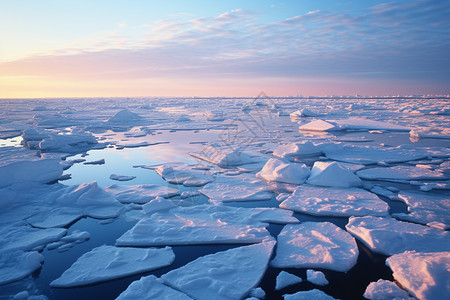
(400, 173)
(335, 201)
(151, 288)
(140, 194)
(424, 275)
(367, 155)
(224, 275)
(389, 236)
(108, 262)
(315, 245)
(425, 209)
(236, 188)
(205, 224)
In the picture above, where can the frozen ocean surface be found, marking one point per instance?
(249, 193)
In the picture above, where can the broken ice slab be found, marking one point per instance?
(229, 274)
(389, 236)
(308, 295)
(400, 173)
(204, 224)
(315, 245)
(15, 265)
(316, 277)
(236, 188)
(140, 194)
(285, 279)
(424, 275)
(224, 157)
(108, 262)
(151, 288)
(121, 177)
(335, 201)
(281, 170)
(305, 148)
(332, 174)
(384, 289)
(187, 175)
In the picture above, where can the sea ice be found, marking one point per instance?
(204, 224)
(366, 124)
(316, 277)
(229, 274)
(314, 294)
(400, 173)
(305, 148)
(335, 201)
(303, 113)
(319, 125)
(124, 116)
(236, 188)
(151, 288)
(108, 262)
(284, 171)
(16, 265)
(385, 290)
(315, 245)
(424, 275)
(285, 279)
(183, 174)
(389, 236)
(140, 194)
(95, 162)
(332, 174)
(57, 217)
(121, 177)
(424, 208)
(224, 157)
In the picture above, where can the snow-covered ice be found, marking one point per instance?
(319, 125)
(121, 177)
(108, 262)
(151, 288)
(315, 245)
(335, 201)
(389, 236)
(224, 157)
(332, 174)
(400, 173)
(314, 294)
(140, 194)
(229, 274)
(284, 171)
(424, 275)
(184, 174)
(385, 290)
(316, 277)
(15, 265)
(285, 279)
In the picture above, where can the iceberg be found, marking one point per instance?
(332, 174)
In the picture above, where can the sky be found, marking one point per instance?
(107, 48)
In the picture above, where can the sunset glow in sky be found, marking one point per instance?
(78, 48)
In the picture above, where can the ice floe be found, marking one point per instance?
(15, 265)
(285, 279)
(140, 194)
(184, 174)
(284, 171)
(332, 174)
(315, 245)
(400, 173)
(121, 177)
(229, 274)
(151, 288)
(385, 290)
(319, 125)
(203, 224)
(231, 188)
(308, 295)
(306, 148)
(424, 275)
(389, 236)
(224, 157)
(124, 116)
(316, 277)
(425, 209)
(335, 201)
(108, 262)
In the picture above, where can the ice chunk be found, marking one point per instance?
(424, 275)
(315, 245)
(140, 194)
(314, 294)
(151, 288)
(304, 112)
(257, 293)
(157, 204)
(332, 174)
(400, 173)
(424, 208)
(389, 236)
(16, 265)
(284, 171)
(224, 275)
(319, 125)
(107, 262)
(316, 277)
(124, 116)
(367, 155)
(121, 177)
(335, 201)
(306, 148)
(95, 162)
(184, 174)
(224, 157)
(204, 224)
(366, 124)
(384, 289)
(285, 279)
(58, 217)
(236, 188)
(39, 171)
